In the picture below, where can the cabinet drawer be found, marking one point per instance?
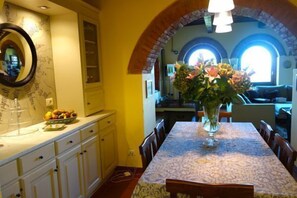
(67, 142)
(105, 122)
(89, 131)
(94, 101)
(37, 157)
(8, 172)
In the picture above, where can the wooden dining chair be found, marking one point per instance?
(267, 133)
(148, 149)
(222, 114)
(194, 189)
(285, 152)
(160, 133)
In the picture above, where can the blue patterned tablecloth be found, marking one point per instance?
(241, 157)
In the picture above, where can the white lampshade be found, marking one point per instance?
(215, 6)
(223, 18)
(223, 28)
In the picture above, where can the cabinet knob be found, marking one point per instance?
(102, 140)
(56, 170)
(18, 195)
(40, 157)
(108, 122)
(81, 153)
(88, 103)
(85, 151)
(91, 131)
(70, 141)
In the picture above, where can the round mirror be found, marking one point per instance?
(18, 57)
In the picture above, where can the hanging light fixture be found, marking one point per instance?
(223, 28)
(223, 15)
(223, 18)
(216, 6)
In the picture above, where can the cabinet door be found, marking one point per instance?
(11, 190)
(70, 173)
(90, 51)
(108, 150)
(91, 164)
(41, 182)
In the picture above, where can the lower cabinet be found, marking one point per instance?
(108, 150)
(70, 167)
(41, 182)
(11, 190)
(71, 173)
(91, 164)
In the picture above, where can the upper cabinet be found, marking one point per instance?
(90, 52)
(76, 55)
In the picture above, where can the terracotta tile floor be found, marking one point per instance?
(119, 185)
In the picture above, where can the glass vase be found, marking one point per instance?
(211, 123)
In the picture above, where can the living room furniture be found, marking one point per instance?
(242, 156)
(254, 113)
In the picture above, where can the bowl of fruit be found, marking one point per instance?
(59, 117)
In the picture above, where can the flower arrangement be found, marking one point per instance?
(210, 84)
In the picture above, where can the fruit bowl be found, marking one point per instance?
(61, 121)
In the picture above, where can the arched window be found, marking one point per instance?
(258, 59)
(202, 54)
(202, 47)
(259, 52)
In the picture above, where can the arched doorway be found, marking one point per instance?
(279, 15)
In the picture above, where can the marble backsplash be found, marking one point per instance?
(31, 96)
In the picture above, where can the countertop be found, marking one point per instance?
(175, 106)
(17, 146)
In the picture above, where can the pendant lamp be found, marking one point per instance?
(223, 18)
(216, 6)
(223, 28)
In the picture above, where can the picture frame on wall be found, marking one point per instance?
(148, 88)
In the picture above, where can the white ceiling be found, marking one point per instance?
(34, 5)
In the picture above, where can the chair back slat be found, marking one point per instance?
(285, 152)
(267, 133)
(194, 189)
(148, 149)
(160, 133)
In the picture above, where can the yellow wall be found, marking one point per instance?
(122, 23)
(121, 27)
(294, 2)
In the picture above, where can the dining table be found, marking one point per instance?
(241, 157)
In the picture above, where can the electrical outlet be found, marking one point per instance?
(49, 102)
(131, 153)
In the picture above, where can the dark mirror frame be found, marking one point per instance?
(9, 26)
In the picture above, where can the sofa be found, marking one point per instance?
(262, 103)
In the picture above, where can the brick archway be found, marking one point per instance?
(279, 15)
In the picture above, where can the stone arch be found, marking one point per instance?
(279, 15)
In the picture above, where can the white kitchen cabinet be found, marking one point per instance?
(71, 173)
(41, 182)
(9, 180)
(108, 145)
(91, 164)
(79, 163)
(82, 69)
(91, 68)
(12, 190)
